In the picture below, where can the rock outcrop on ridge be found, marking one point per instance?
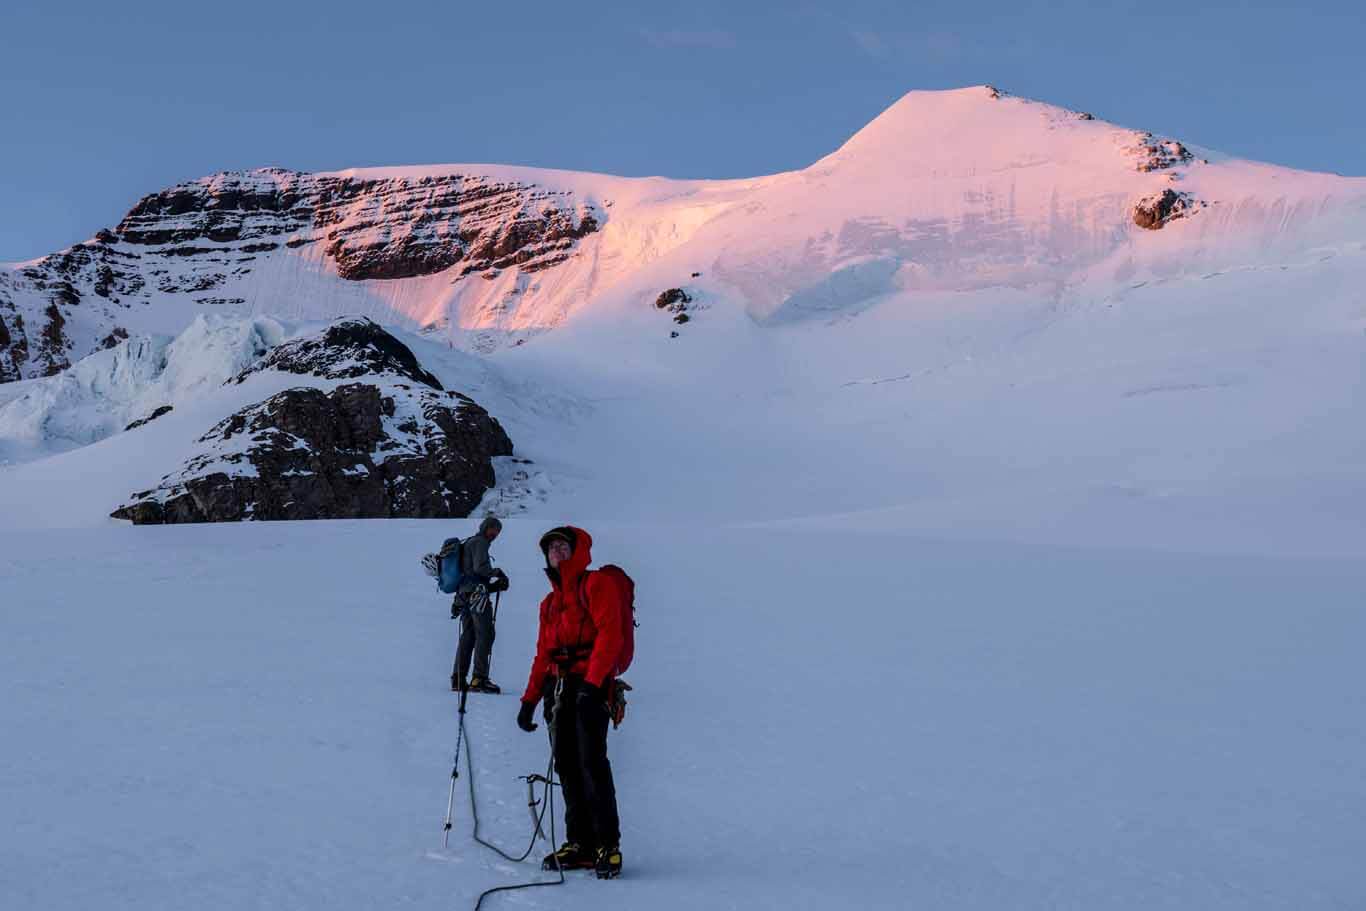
(395, 445)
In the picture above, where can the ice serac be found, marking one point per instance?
(130, 378)
(396, 445)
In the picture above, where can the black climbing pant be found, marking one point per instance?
(590, 796)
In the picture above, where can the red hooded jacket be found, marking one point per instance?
(594, 626)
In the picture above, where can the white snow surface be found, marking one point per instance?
(992, 553)
(255, 716)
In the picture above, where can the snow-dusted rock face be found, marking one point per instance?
(1155, 211)
(394, 445)
(224, 242)
(38, 300)
(14, 353)
(370, 228)
(362, 451)
(347, 349)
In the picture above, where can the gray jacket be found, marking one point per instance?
(476, 567)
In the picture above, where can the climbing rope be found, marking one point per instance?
(547, 804)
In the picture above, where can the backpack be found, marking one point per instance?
(627, 586)
(449, 569)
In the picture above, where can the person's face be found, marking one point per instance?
(493, 534)
(558, 552)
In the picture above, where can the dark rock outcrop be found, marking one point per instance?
(53, 343)
(345, 350)
(675, 301)
(116, 335)
(360, 451)
(1156, 154)
(13, 338)
(671, 298)
(1153, 212)
(164, 409)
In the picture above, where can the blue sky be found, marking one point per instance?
(104, 102)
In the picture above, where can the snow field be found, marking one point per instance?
(256, 716)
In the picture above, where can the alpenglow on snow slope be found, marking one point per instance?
(994, 489)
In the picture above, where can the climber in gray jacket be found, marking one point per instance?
(474, 608)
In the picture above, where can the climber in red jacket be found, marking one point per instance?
(578, 648)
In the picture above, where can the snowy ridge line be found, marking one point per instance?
(945, 191)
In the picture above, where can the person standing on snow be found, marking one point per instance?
(471, 606)
(577, 647)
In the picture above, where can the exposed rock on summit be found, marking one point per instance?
(1156, 154)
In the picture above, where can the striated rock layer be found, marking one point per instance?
(206, 243)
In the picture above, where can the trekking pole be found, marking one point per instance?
(455, 769)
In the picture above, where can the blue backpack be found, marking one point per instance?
(449, 571)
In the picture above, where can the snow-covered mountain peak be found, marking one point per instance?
(945, 191)
(980, 131)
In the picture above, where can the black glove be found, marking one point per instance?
(498, 581)
(524, 717)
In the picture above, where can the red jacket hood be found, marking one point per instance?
(569, 571)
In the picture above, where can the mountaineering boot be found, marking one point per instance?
(571, 857)
(609, 863)
(484, 685)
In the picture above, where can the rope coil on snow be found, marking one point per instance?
(547, 804)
